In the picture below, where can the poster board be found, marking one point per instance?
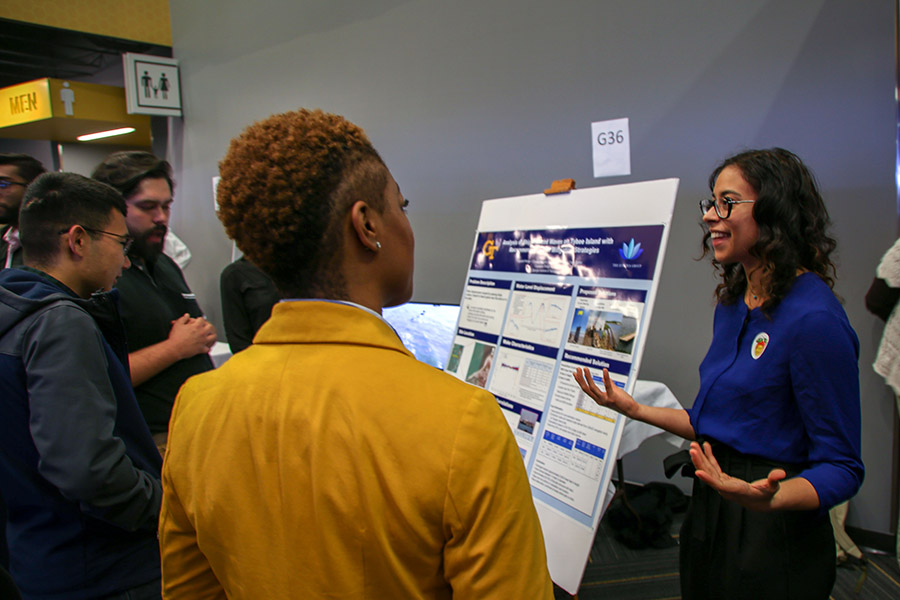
(554, 283)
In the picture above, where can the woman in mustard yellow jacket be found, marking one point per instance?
(324, 460)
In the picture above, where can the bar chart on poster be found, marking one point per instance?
(555, 283)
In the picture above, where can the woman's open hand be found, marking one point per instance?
(758, 495)
(613, 397)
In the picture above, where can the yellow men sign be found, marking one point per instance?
(25, 102)
(60, 110)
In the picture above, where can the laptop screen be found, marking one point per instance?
(427, 330)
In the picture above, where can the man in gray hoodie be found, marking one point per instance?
(78, 467)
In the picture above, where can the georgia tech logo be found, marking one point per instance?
(489, 248)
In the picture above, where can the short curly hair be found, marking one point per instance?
(793, 225)
(285, 184)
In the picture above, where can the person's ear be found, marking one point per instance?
(76, 240)
(365, 223)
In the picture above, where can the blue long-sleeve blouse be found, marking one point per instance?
(786, 388)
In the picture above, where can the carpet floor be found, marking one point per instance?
(615, 572)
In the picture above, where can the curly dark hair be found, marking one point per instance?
(285, 184)
(793, 226)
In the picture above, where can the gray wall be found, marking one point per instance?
(83, 158)
(472, 100)
(42, 150)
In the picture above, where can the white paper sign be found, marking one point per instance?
(612, 148)
(215, 185)
(152, 86)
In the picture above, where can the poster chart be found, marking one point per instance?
(556, 283)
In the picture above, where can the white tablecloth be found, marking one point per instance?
(650, 393)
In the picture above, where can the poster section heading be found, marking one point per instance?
(614, 253)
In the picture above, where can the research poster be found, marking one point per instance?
(555, 283)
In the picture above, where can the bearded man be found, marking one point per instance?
(168, 337)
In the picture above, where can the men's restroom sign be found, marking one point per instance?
(151, 85)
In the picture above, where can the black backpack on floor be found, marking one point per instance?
(642, 517)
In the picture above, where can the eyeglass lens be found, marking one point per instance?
(722, 206)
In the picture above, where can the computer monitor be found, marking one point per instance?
(427, 330)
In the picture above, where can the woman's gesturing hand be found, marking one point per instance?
(613, 397)
(757, 495)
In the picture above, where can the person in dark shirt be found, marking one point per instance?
(248, 296)
(168, 337)
(16, 172)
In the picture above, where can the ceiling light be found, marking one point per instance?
(104, 134)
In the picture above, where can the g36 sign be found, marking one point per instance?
(611, 148)
(605, 138)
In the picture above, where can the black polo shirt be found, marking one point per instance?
(152, 297)
(248, 296)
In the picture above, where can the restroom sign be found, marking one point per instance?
(152, 86)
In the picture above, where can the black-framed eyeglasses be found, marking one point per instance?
(722, 205)
(125, 239)
(6, 183)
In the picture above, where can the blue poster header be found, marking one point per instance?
(602, 293)
(612, 252)
(517, 408)
(477, 335)
(530, 347)
(490, 283)
(544, 288)
(597, 362)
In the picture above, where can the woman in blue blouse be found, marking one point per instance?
(775, 427)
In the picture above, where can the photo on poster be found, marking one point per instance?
(603, 329)
(480, 365)
(523, 421)
(606, 322)
(527, 421)
(456, 354)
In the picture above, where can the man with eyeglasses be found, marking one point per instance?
(16, 172)
(168, 338)
(80, 471)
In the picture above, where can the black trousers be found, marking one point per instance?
(731, 553)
